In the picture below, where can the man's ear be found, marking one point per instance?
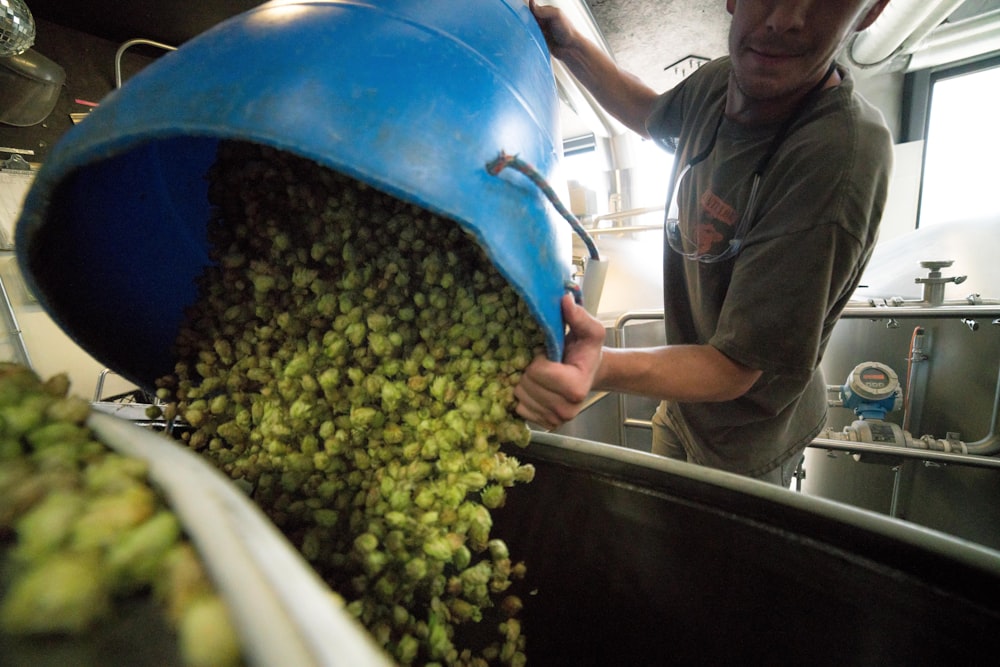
(731, 6)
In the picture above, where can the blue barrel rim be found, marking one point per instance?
(69, 159)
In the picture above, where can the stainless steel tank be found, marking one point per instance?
(951, 389)
(632, 559)
(952, 384)
(638, 560)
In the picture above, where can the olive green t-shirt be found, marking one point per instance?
(773, 306)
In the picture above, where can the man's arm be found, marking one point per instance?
(552, 393)
(620, 93)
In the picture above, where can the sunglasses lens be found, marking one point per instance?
(688, 248)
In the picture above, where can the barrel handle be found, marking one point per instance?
(494, 167)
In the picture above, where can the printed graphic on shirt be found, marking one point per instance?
(716, 222)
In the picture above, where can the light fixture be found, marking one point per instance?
(17, 28)
(29, 82)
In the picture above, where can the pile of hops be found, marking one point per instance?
(82, 530)
(351, 362)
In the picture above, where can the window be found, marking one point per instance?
(649, 174)
(962, 144)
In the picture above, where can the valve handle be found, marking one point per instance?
(937, 265)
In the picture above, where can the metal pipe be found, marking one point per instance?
(973, 460)
(990, 444)
(630, 213)
(99, 389)
(872, 312)
(916, 355)
(897, 472)
(625, 318)
(952, 42)
(628, 228)
(854, 447)
(900, 27)
(15, 329)
(578, 97)
(619, 341)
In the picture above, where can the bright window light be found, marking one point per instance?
(960, 171)
(652, 174)
(586, 169)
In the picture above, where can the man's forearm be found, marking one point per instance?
(682, 373)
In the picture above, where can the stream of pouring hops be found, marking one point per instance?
(351, 363)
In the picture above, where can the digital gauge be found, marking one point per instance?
(873, 381)
(872, 390)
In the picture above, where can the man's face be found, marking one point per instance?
(780, 48)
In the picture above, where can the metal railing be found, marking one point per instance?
(852, 447)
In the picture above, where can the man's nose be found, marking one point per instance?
(787, 15)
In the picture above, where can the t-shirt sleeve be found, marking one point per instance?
(784, 295)
(695, 95)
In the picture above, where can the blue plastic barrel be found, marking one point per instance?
(413, 98)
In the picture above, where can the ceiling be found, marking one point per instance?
(662, 41)
(647, 37)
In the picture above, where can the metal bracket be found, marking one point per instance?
(15, 163)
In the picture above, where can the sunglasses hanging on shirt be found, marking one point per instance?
(689, 248)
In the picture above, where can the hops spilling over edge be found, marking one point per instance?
(83, 530)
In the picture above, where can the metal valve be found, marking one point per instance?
(934, 282)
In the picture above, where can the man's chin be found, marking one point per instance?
(767, 87)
